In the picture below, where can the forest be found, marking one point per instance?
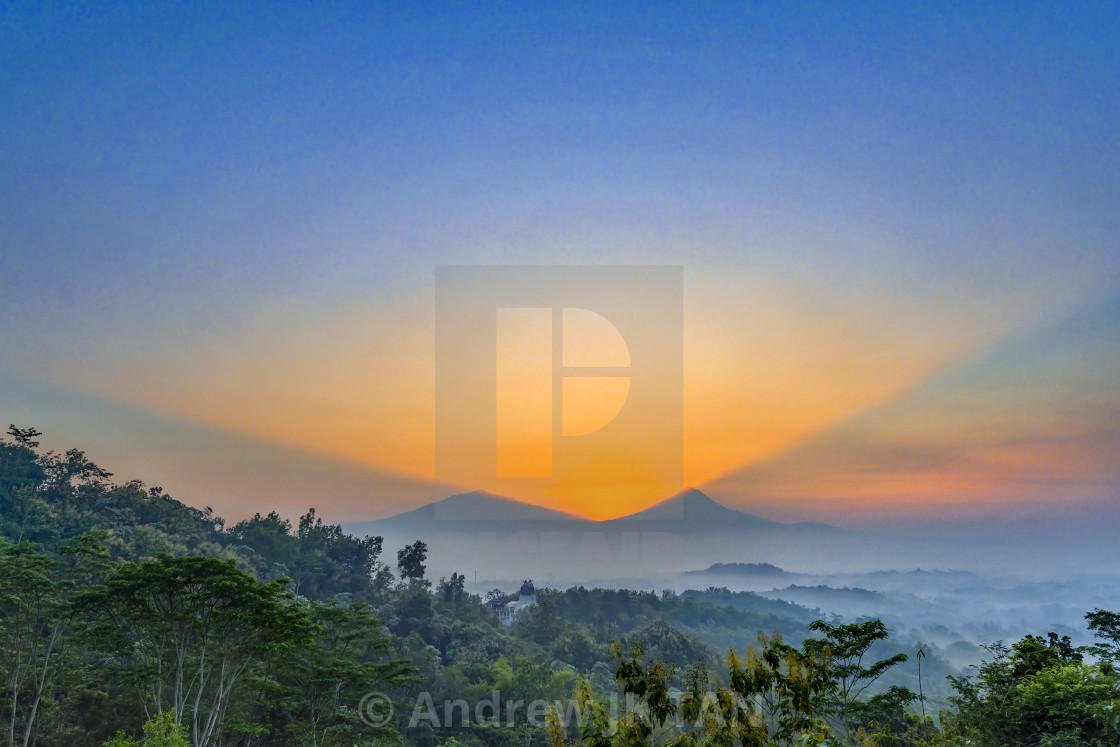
(130, 618)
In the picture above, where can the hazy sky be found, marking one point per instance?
(224, 221)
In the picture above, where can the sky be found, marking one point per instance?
(221, 223)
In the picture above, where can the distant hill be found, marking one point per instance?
(746, 571)
(688, 512)
(692, 511)
(481, 506)
(855, 601)
(502, 538)
(470, 513)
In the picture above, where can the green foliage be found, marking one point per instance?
(132, 605)
(781, 684)
(541, 623)
(452, 591)
(1034, 693)
(313, 689)
(410, 561)
(883, 717)
(579, 648)
(50, 498)
(671, 645)
(776, 695)
(846, 646)
(163, 730)
(185, 630)
(649, 681)
(34, 622)
(320, 558)
(1106, 626)
(121, 607)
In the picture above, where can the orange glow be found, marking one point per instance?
(590, 402)
(524, 393)
(356, 383)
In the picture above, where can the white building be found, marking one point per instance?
(508, 609)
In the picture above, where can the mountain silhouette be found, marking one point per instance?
(479, 505)
(687, 512)
(505, 538)
(692, 511)
(476, 511)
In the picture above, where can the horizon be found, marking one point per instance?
(901, 291)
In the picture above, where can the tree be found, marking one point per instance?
(782, 676)
(331, 561)
(453, 591)
(774, 696)
(410, 562)
(540, 623)
(883, 717)
(72, 476)
(846, 646)
(649, 681)
(25, 436)
(672, 645)
(163, 730)
(33, 622)
(781, 684)
(319, 686)
(1030, 693)
(1106, 626)
(578, 648)
(20, 475)
(184, 631)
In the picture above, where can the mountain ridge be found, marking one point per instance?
(694, 507)
(480, 505)
(689, 509)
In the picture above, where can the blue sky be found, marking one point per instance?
(197, 199)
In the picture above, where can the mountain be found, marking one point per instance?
(687, 512)
(691, 511)
(477, 511)
(693, 508)
(502, 538)
(480, 506)
(745, 571)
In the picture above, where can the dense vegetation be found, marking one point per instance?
(129, 618)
